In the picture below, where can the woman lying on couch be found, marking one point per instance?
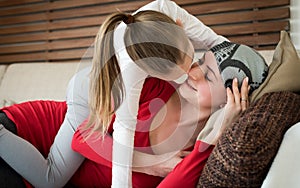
(203, 94)
(205, 82)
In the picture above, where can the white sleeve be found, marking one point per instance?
(126, 115)
(124, 127)
(201, 36)
(62, 161)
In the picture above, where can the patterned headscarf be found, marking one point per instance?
(240, 61)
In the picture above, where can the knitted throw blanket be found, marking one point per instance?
(244, 154)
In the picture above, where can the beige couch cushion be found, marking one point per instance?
(2, 71)
(32, 81)
(268, 55)
(284, 69)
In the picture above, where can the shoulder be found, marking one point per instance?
(78, 86)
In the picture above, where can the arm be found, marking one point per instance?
(62, 161)
(100, 151)
(201, 36)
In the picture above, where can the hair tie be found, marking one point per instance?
(128, 19)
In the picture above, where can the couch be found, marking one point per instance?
(48, 81)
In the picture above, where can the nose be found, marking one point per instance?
(194, 64)
(196, 73)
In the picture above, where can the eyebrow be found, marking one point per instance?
(201, 60)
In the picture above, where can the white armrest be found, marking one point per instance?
(284, 171)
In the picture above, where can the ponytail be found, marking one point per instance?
(106, 84)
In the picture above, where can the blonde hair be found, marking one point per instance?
(106, 85)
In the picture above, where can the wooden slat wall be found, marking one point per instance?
(62, 30)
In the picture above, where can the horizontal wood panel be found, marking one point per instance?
(6, 3)
(65, 34)
(57, 5)
(64, 24)
(245, 16)
(23, 19)
(51, 30)
(53, 45)
(225, 6)
(45, 56)
(260, 27)
(269, 39)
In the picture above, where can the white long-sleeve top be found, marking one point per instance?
(133, 77)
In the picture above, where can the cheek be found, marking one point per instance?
(204, 95)
(218, 95)
(211, 95)
(188, 94)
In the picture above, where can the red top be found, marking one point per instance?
(37, 122)
(47, 117)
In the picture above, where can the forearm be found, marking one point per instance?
(156, 165)
(141, 159)
(201, 35)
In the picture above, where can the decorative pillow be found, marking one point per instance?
(245, 151)
(283, 71)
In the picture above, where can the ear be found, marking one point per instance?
(179, 23)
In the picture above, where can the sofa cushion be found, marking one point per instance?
(244, 153)
(283, 71)
(2, 71)
(33, 81)
(284, 171)
(267, 54)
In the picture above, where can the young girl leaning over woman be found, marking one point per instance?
(62, 162)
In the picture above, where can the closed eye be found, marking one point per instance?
(206, 76)
(212, 71)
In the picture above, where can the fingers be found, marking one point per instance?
(237, 97)
(236, 92)
(230, 97)
(244, 94)
(183, 154)
(179, 22)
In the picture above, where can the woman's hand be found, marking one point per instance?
(237, 102)
(165, 163)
